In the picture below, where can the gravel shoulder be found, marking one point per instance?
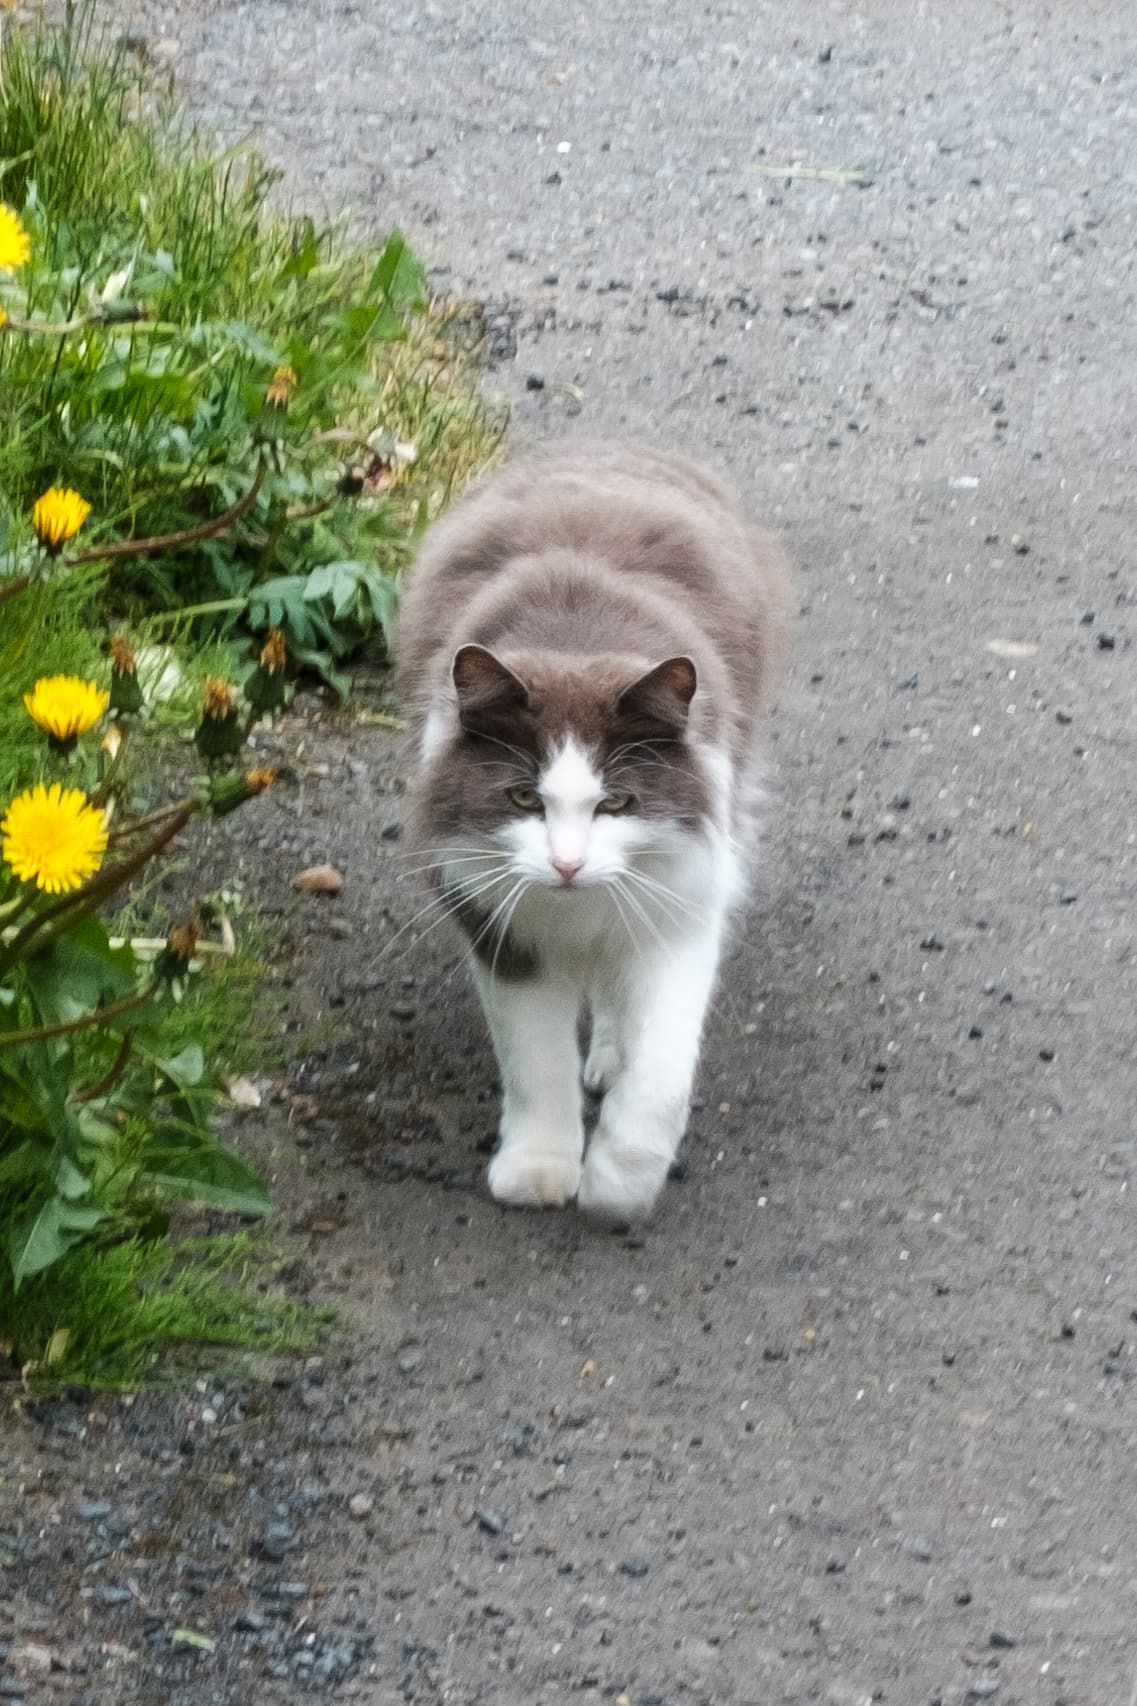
(852, 1421)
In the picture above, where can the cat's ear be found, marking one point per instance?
(485, 686)
(661, 699)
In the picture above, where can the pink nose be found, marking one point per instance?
(566, 869)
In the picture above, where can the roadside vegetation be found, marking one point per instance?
(222, 430)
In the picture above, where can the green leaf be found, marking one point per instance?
(79, 972)
(29, 1160)
(185, 1069)
(204, 1173)
(398, 276)
(69, 1181)
(304, 259)
(47, 1233)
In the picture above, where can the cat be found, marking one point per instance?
(587, 647)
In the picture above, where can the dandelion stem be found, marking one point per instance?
(172, 541)
(68, 1027)
(127, 829)
(102, 1086)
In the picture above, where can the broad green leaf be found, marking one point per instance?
(204, 1173)
(398, 275)
(47, 1233)
(79, 973)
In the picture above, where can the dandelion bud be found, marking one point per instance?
(265, 688)
(281, 386)
(219, 733)
(126, 694)
(226, 793)
(174, 960)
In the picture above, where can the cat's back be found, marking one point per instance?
(646, 519)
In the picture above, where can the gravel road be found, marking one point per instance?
(853, 1420)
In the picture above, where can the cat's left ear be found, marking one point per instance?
(662, 698)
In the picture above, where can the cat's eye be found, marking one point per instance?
(615, 802)
(528, 799)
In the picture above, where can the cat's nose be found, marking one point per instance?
(566, 869)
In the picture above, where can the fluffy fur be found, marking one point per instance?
(588, 646)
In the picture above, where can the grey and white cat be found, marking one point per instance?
(588, 645)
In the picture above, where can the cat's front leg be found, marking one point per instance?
(533, 1024)
(644, 1113)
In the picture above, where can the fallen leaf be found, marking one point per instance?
(243, 1093)
(319, 879)
(191, 1638)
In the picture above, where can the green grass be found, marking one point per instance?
(155, 1310)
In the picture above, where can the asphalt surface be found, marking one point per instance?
(853, 1420)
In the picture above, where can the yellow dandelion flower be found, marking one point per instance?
(53, 837)
(57, 517)
(3, 318)
(65, 707)
(15, 244)
(281, 386)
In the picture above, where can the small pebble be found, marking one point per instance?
(534, 382)
(360, 1505)
(1068, 897)
(492, 1521)
(1000, 1638)
(94, 1510)
(409, 1360)
(635, 1567)
(982, 1688)
(1106, 642)
(1063, 714)
(391, 831)
(107, 1595)
(919, 1548)
(404, 1010)
(1019, 545)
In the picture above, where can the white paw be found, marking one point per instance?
(529, 1178)
(602, 1066)
(621, 1183)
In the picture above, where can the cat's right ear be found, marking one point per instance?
(485, 686)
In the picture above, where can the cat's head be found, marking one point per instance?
(566, 772)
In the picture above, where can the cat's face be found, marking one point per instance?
(560, 777)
